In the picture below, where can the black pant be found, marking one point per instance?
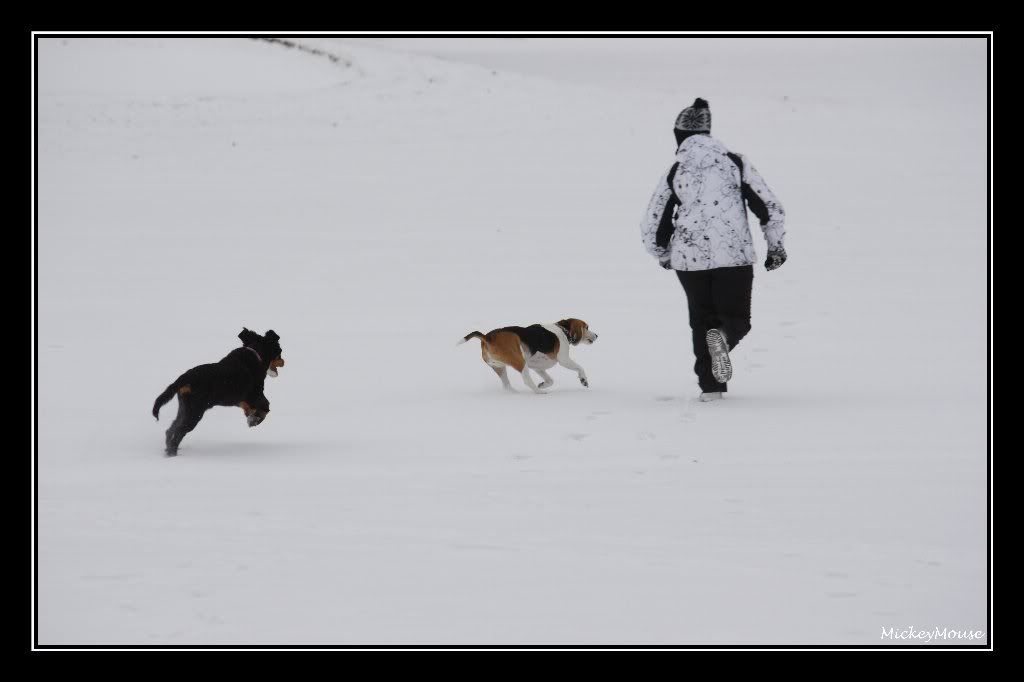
(717, 299)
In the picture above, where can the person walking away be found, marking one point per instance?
(696, 225)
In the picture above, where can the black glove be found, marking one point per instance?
(776, 257)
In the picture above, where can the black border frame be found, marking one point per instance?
(32, 570)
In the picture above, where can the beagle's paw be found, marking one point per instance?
(583, 380)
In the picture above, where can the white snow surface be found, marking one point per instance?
(375, 209)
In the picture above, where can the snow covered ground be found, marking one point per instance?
(374, 209)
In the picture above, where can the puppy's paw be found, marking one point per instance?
(255, 418)
(583, 380)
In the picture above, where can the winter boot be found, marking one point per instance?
(718, 347)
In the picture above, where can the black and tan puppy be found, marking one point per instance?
(538, 347)
(235, 381)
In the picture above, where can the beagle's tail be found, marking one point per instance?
(469, 336)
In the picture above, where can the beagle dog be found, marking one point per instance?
(538, 347)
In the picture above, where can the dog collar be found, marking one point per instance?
(258, 356)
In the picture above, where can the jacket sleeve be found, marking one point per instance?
(657, 213)
(765, 206)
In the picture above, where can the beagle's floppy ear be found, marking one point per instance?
(572, 330)
(271, 335)
(578, 328)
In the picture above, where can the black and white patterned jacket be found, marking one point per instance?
(697, 217)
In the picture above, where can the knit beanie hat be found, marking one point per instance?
(695, 118)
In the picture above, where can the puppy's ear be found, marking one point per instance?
(247, 335)
(271, 335)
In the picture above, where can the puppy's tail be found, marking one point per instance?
(469, 336)
(162, 399)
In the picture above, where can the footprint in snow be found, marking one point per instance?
(841, 595)
(577, 436)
